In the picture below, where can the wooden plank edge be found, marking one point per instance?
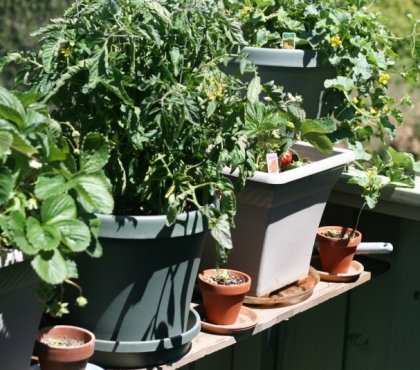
(205, 344)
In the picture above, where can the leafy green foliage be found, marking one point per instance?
(148, 79)
(40, 188)
(353, 37)
(275, 127)
(149, 76)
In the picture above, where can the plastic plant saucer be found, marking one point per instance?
(88, 367)
(125, 354)
(355, 269)
(247, 319)
(290, 294)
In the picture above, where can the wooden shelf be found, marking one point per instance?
(205, 344)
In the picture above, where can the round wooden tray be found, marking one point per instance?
(289, 295)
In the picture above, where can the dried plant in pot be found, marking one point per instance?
(222, 292)
(64, 347)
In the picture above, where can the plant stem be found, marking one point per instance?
(353, 233)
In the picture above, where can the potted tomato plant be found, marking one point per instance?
(271, 246)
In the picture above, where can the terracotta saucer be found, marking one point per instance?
(355, 269)
(289, 295)
(247, 319)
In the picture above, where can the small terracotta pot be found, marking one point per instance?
(336, 254)
(73, 357)
(222, 303)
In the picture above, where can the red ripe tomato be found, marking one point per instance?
(285, 159)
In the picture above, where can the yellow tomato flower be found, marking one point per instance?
(245, 10)
(219, 89)
(65, 52)
(386, 108)
(355, 100)
(215, 90)
(384, 78)
(373, 111)
(335, 41)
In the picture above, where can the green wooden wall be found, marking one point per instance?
(373, 327)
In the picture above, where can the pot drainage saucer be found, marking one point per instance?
(289, 295)
(247, 320)
(88, 367)
(355, 269)
(143, 354)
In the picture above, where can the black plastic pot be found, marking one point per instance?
(20, 315)
(140, 290)
(301, 72)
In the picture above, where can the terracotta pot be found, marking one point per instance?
(222, 303)
(74, 357)
(336, 254)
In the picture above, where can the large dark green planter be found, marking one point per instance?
(140, 290)
(20, 315)
(300, 72)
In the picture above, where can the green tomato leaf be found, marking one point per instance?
(94, 154)
(45, 237)
(51, 267)
(175, 58)
(319, 141)
(321, 126)
(211, 108)
(171, 215)
(75, 234)
(264, 3)
(58, 208)
(254, 89)
(6, 140)
(11, 108)
(220, 231)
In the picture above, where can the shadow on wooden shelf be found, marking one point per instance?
(375, 266)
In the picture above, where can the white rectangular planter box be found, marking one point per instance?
(277, 219)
